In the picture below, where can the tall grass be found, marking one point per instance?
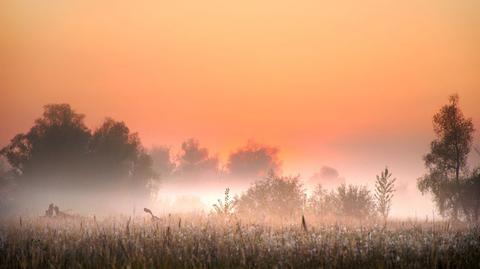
(201, 241)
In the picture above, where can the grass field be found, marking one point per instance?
(201, 241)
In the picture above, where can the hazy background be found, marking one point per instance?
(351, 85)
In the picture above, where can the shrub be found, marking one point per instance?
(349, 201)
(278, 196)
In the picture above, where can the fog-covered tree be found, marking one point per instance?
(447, 160)
(195, 160)
(113, 149)
(119, 160)
(384, 189)
(54, 150)
(60, 153)
(144, 179)
(328, 177)
(118, 157)
(162, 161)
(274, 195)
(253, 160)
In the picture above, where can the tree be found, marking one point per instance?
(355, 201)
(144, 179)
(162, 162)
(195, 160)
(447, 159)
(113, 150)
(253, 160)
(59, 158)
(54, 150)
(328, 177)
(275, 196)
(119, 160)
(384, 189)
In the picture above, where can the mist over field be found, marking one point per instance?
(106, 171)
(240, 134)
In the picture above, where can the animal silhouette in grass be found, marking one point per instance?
(54, 211)
(151, 214)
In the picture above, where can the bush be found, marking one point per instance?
(322, 203)
(276, 196)
(355, 201)
(349, 201)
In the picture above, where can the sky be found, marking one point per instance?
(352, 85)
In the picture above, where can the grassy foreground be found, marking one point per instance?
(199, 241)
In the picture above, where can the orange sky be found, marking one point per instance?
(350, 84)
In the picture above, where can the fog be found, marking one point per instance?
(184, 195)
(107, 171)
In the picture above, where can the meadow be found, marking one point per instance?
(210, 241)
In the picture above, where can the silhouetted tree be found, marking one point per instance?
(194, 160)
(253, 160)
(384, 189)
(162, 161)
(54, 150)
(113, 149)
(447, 159)
(274, 195)
(119, 160)
(143, 181)
(59, 156)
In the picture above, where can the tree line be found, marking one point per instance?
(61, 152)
